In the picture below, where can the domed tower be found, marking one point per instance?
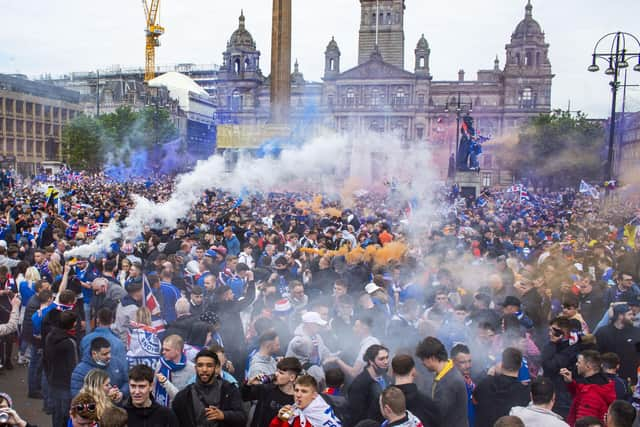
(241, 60)
(527, 70)
(422, 58)
(331, 60)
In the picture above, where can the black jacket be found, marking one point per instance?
(495, 396)
(182, 327)
(33, 305)
(154, 416)
(60, 358)
(231, 329)
(623, 342)
(556, 356)
(230, 404)
(363, 397)
(269, 399)
(421, 405)
(592, 306)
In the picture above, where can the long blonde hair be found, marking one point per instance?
(143, 316)
(94, 385)
(32, 275)
(55, 268)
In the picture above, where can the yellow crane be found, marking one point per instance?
(153, 31)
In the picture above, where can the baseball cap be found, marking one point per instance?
(313, 317)
(620, 309)
(371, 288)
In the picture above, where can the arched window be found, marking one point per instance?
(236, 66)
(373, 19)
(388, 18)
(529, 59)
(517, 59)
(538, 59)
(332, 64)
(421, 62)
(247, 64)
(400, 97)
(381, 19)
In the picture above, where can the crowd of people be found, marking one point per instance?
(284, 309)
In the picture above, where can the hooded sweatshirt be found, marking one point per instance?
(60, 357)
(154, 415)
(496, 395)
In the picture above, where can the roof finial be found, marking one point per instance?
(496, 63)
(528, 10)
(296, 67)
(241, 19)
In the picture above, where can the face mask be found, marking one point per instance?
(101, 363)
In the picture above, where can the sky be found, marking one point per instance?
(58, 37)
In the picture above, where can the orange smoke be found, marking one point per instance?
(378, 255)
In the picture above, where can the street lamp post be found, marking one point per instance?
(461, 108)
(616, 58)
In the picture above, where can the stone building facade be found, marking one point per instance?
(379, 94)
(32, 115)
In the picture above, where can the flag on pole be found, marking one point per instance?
(150, 300)
(589, 189)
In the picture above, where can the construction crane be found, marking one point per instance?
(153, 31)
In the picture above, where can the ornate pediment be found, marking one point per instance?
(375, 68)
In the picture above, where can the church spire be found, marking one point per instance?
(528, 10)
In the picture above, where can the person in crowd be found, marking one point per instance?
(447, 386)
(174, 371)
(104, 321)
(362, 331)
(60, 358)
(210, 398)
(196, 301)
(114, 417)
(509, 421)
(622, 338)
(461, 356)
(13, 418)
(497, 394)
(589, 422)
(366, 387)
(263, 363)
(127, 308)
(539, 411)
(99, 357)
(417, 403)
(98, 385)
(83, 411)
(592, 392)
(142, 409)
(620, 414)
(610, 367)
(394, 409)
(310, 408)
(271, 396)
(557, 354)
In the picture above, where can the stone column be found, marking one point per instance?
(281, 61)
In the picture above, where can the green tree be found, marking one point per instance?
(82, 145)
(557, 150)
(118, 127)
(157, 127)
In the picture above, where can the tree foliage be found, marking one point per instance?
(557, 150)
(82, 145)
(90, 142)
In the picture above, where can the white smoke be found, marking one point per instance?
(318, 166)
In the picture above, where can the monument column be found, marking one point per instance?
(281, 61)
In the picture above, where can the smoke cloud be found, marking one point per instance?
(323, 165)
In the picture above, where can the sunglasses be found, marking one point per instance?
(89, 407)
